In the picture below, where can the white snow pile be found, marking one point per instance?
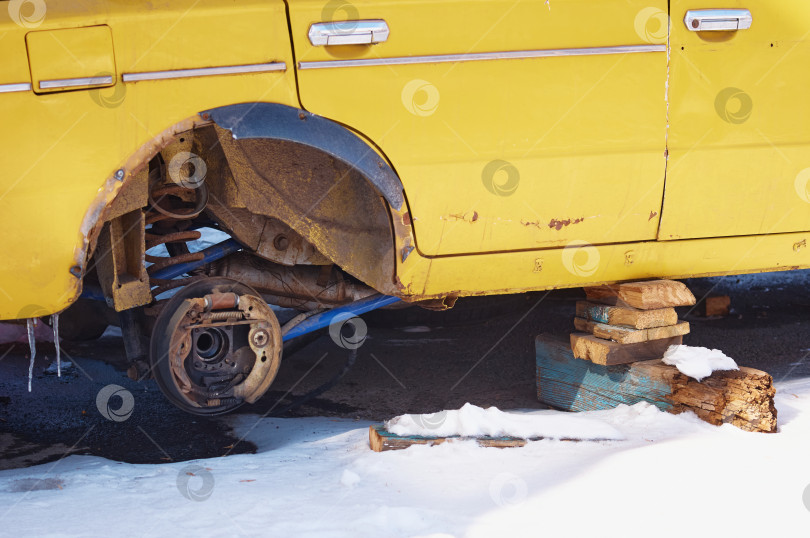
(317, 477)
(474, 421)
(698, 362)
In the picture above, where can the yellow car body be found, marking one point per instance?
(539, 144)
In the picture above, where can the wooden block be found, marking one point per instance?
(626, 316)
(600, 351)
(741, 397)
(658, 333)
(380, 439)
(626, 335)
(717, 305)
(644, 295)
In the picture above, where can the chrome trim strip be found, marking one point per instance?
(17, 87)
(74, 82)
(205, 71)
(481, 56)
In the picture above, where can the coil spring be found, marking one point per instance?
(167, 218)
(222, 316)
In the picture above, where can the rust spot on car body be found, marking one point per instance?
(560, 224)
(466, 217)
(653, 214)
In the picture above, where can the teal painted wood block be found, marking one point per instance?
(574, 384)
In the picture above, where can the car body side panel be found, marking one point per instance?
(583, 264)
(60, 159)
(739, 140)
(505, 154)
(60, 156)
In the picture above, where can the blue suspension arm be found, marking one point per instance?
(324, 319)
(229, 246)
(210, 254)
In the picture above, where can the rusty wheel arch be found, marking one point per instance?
(333, 190)
(282, 122)
(120, 192)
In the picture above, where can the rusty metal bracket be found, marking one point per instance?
(120, 262)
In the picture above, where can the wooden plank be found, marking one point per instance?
(597, 350)
(644, 295)
(743, 398)
(626, 316)
(622, 335)
(716, 305)
(380, 439)
(626, 335)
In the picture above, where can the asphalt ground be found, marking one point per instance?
(474, 355)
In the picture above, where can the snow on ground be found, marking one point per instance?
(474, 421)
(698, 362)
(317, 477)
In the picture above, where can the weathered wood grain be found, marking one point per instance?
(626, 335)
(741, 397)
(599, 351)
(626, 316)
(648, 295)
(380, 439)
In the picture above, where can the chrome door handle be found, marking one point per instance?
(365, 32)
(718, 20)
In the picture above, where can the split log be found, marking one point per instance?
(626, 335)
(741, 397)
(644, 295)
(600, 351)
(627, 316)
(380, 439)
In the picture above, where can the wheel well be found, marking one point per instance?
(288, 201)
(330, 205)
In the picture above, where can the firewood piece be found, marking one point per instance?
(716, 305)
(644, 295)
(380, 439)
(626, 335)
(599, 351)
(626, 316)
(741, 397)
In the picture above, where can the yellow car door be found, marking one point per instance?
(739, 140)
(513, 124)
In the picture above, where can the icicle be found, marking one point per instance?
(32, 343)
(55, 323)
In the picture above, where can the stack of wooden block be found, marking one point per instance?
(624, 328)
(625, 323)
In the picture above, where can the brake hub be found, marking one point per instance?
(216, 345)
